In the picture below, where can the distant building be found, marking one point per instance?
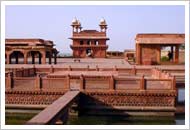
(115, 54)
(129, 54)
(89, 43)
(149, 46)
(25, 51)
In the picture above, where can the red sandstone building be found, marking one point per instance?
(25, 51)
(89, 43)
(149, 46)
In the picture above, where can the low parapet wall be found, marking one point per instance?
(83, 82)
(33, 70)
(21, 72)
(130, 89)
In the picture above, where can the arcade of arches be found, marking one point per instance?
(29, 51)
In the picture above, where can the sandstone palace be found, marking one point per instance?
(95, 81)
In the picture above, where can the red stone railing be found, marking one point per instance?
(86, 83)
(160, 74)
(95, 34)
(50, 69)
(22, 72)
(87, 46)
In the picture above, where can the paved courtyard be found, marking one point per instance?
(103, 62)
(93, 62)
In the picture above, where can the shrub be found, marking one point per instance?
(164, 58)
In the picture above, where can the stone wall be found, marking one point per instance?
(149, 54)
(155, 104)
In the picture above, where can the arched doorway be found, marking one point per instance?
(16, 57)
(88, 52)
(34, 57)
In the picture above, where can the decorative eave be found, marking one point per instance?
(89, 46)
(24, 41)
(90, 38)
(161, 38)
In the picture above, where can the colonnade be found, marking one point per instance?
(42, 55)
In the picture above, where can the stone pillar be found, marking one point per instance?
(55, 58)
(51, 69)
(112, 83)
(38, 84)
(176, 60)
(10, 81)
(33, 58)
(34, 70)
(25, 57)
(159, 54)
(15, 72)
(40, 58)
(50, 56)
(138, 56)
(69, 69)
(97, 68)
(173, 83)
(134, 70)
(16, 57)
(82, 87)
(8, 59)
(22, 72)
(172, 51)
(43, 57)
(68, 81)
(142, 83)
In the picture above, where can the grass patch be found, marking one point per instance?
(18, 118)
(164, 58)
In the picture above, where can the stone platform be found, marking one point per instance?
(104, 83)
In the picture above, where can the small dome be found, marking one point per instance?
(102, 21)
(74, 20)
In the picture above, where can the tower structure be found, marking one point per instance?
(89, 43)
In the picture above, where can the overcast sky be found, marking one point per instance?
(124, 22)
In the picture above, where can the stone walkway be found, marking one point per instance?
(53, 111)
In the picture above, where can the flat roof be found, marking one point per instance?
(28, 41)
(160, 38)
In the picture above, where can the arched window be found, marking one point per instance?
(34, 57)
(16, 57)
(96, 42)
(88, 42)
(81, 42)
